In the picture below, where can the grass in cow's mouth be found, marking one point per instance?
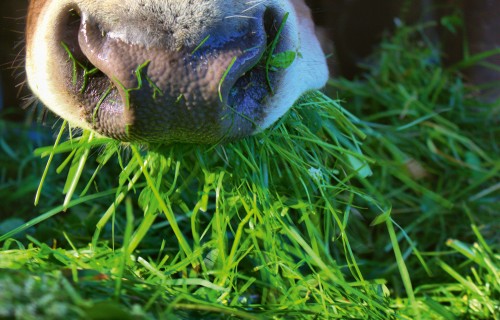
(392, 213)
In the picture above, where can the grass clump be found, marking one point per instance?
(254, 224)
(386, 211)
(438, 164)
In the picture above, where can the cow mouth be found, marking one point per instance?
(141, 105)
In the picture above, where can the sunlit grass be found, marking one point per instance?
(250, 223)
(383, 206)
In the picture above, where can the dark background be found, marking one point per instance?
(12, 20)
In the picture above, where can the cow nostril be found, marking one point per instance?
(74, 18)
(67, 38)
(271, 24)
(67, 35)
(256, 85)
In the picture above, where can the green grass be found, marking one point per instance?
(381, 206)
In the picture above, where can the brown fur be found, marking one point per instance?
(34, 9)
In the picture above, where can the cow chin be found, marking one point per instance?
(170, 71)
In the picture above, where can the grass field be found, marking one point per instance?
(381, 204)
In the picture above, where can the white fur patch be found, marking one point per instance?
(309, 71)
(42, 68)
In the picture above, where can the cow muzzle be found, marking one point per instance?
(152, 77)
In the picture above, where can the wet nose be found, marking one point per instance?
(202, 94)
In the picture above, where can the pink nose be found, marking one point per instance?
(205, 94)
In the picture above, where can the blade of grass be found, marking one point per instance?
(403, 270)
(163, 205)
(76, 172)
(49, 162)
